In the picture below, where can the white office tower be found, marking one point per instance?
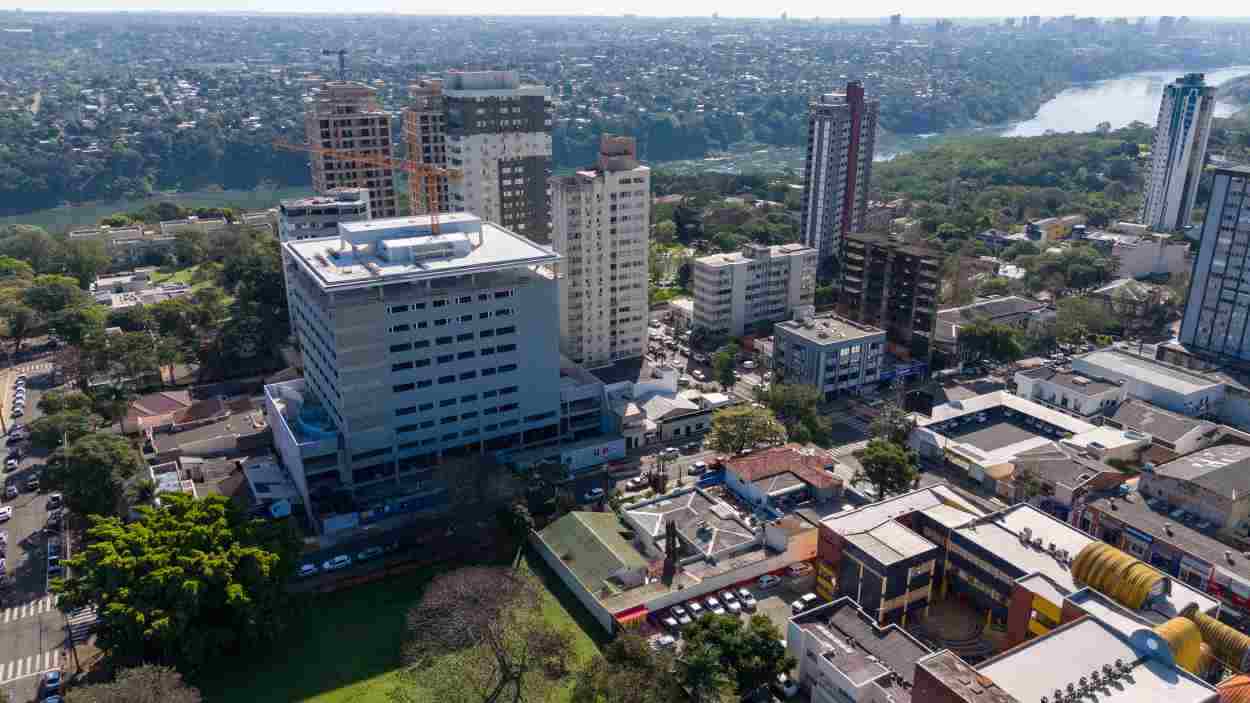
(841, 138)
(494, 134)
(601, 224)
(735, 292)
(417, 347)
(1218, 307)
(1177, 153)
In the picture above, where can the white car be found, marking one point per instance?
(696, 610)
(342, 561)
(306, 570)
(806, 602)
(697, 468)
(746, 599)
(636, 483)
(748, 365)
(666, 642)
(6, 513)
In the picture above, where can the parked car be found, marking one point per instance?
(10, 465)
(6, 513)
(666, 642)
(697, 468)
(32, 483)
(680, 614)
(806, 602)
(594, 494)
(731, 602)
(17, 412)
(370, 553)
(788, 686)
(10, 492)
(306, 570)
(768, 581)
(748, 365)
(341, 561)
(696, 610)
(690, 448)
(798, 569)
(747, 599)
(714, 605)
(637, 483)
(698, 375)
(670, 623)
(670, 452)
(55, 500)
(50, 683)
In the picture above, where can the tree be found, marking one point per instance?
(77, 323)
(57, 401)
(93, 473)
(184, 583)
(1079, 317)
(135, 318)
(85, 260)
(627, 671)
(741, 427)
(50, 431)
(32, 245)
(702, 674)
(51, 294)
(665, 231)
(12, 270)
(797, 407)
(147, 683)
(893, 424)
(888, 467)
(478, 636)
(724, 365)
(20, 320)
(1020, 249)
(751, 653)
(983, 339)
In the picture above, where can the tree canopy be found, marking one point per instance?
(797, 407)
(741, 427)
(628, 671)
(142, 684)
(983, 339)
(186, 582)
(750, 653)
(92, 472)
(888, 467)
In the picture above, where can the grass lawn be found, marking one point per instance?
(345, 646)
(182, 276)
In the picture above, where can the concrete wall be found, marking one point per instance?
(592, 605)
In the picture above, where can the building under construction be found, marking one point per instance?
(345, 116)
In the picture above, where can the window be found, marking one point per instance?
(396, 348)
(424, 383)
(464, 299)
(483, 315)
(508, 407)
(490, 411)
(446, 402)
(448, 420)
(401, 367)
(443, 341)
(507, 368)
(440, 322)
(441, 302)
(444, 358)
(469, 415)
(503, 312)
(370, 454)
(418, 306)
(403, 387)
(468, 398)
(508, 390)
(466, 354)
(466, 318)
(489, 394)
(488, 372)
(444, 380)
(503, 294)
(486, 333)
(505, 330)
(422, 363)
(466, 337)
(406, 428)
(468, 375)
(449, 436)
(505, 348)
(406, 411)
(422, 324)
(421, 344)
(487, 351)
(396, 309)
(399, 328)
(425, 407)
(427, 424)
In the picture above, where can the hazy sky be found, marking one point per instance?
(727, 8)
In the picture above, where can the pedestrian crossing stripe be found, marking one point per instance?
(31, 665)
(26, 610)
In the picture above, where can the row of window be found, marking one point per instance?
(444, 321)
(448, 358)
(453, 378)
(444, 302)
(458, 339)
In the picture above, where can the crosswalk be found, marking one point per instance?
(81, 622)
(46, 604)
(35, 368)
(31, 665)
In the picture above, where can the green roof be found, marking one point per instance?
(591, 546)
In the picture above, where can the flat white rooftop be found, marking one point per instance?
(366, 253)
(1144, 370)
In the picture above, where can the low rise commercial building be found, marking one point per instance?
(834, 355)
(1054, 477)
(781, 477)
(734, 293)
(1174, 432)
(1211, 487)
(647, 406)
(1053, 229)
(1140, 255)
(1058, 387)
(1010, 310)
(320, 215)
(1165, 385)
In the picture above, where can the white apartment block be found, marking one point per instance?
(417, 347)
(494, 134)
(837, 173)
(346, 116)
(320, 215)
(601, 226)
(1178, 153)
(735, 292)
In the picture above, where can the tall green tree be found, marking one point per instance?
(78, 322)
(751, 653)
(797, 407)
(92, 473)
(20, 321)
(184, 583)
(741, 427)
(893, 424)
(724, 365)
(987, 340)
(703, 675)
(51, 294)
(628, 671)
(888, 467)
(85, 259)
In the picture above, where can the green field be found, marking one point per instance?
(344, 647)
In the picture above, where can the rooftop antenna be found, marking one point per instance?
(342, 54)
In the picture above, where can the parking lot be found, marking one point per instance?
(773, 603)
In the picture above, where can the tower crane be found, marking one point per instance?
(420, 176)
(342, 54)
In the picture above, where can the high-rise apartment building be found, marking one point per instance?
(735, 292)
(418, 347)
(894, 286)
(1219, 291)
(841, 134)
(1177, 153)
(347, 116)
(601, 224)
(494, 134)
(320, 215)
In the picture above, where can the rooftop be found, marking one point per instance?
(706, 524)
(1061, 466)
(1166, 376)
(1063, 377)
(1223, 470)
(1038, 667)
(807, 463)
(751, 253)
(869, 516)
(396, 249)
(1155, 518)
(962, 679)
(992, 309)
(1139, 415)
(828, 329)
(890, 543)
(592, 547)
(855, 645)
(1004, 534)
